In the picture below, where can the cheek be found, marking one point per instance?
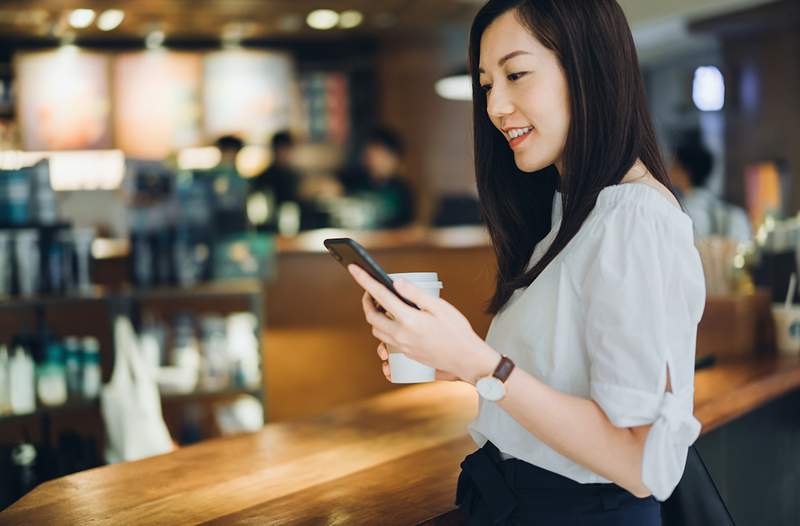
(550, 116)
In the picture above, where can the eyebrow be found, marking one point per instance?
(506, 58)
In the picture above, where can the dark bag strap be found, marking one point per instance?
(696, 500)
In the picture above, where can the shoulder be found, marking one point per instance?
(638, 210)
(633, 230)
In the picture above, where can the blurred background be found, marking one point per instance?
(178, 163)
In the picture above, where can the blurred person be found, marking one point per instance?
(229, 188)
(229, 147)
(280, 178)
(380, 177)
(691, 168)
(586, 376)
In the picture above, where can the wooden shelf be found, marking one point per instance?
(214, 289)
(94, 405)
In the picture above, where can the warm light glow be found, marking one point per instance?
(252, 160)
(155, 39)
(76, 170)
(81, 18)
(87, 170)
(258, 208)
(350, 19)
(322, 19)
(202, 158)
(110, 19)
(457, 87)
(708, 89)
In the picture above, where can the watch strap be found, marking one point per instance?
(503, 369)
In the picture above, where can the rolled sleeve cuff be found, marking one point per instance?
(674, 429)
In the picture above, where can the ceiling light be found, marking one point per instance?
(456, 86)
(322, 19)
(350, 19)
(154, 39)
(110, 19)
(708, 89)
(81, 18)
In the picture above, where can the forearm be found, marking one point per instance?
(573, 426)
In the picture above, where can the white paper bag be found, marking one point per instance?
(130, 403)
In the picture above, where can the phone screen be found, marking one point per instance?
(347, 251)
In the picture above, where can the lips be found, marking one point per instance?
(516, 136)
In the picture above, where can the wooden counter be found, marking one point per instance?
(392, 459)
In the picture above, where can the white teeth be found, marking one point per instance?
(517, 132)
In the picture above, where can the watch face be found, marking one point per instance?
(491, 389)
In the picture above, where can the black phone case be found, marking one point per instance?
(347, 251)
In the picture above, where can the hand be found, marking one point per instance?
(383, 354)
(437, 335)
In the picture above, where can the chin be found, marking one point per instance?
(532, 165)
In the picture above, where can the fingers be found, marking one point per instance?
(377, 319)
(385, 297)
(383, 352)
(386, 371)
(417, 296)
(383, 336)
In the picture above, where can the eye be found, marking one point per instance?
(516, 76)
(486, 87)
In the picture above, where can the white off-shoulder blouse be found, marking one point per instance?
(604, 320)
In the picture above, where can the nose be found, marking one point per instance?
(498, 104)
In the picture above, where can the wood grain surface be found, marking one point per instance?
(390, 460)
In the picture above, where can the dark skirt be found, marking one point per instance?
(492, 491)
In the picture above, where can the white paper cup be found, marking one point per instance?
(403, 369)
(787, 329)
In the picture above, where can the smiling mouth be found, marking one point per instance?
(513, 133)
(517, 135)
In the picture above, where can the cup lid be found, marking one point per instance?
(416, 277)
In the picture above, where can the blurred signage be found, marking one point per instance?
(157, 105)
(247, 93)
(64, 100)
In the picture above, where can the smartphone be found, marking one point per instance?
(347, 251)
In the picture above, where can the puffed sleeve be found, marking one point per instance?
(643, 295)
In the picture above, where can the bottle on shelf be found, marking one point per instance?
(73, 362)
(23, 469)
(5, 403)
(215, 365)
(22, 382)
(243, 349)
(92, 376)
(51, 377)
(26, 247)
(185, 356)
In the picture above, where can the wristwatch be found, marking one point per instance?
(492, 387)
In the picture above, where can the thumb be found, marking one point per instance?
(421, 299)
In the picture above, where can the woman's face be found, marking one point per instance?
(526, 93)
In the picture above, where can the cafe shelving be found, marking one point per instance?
(130, 301)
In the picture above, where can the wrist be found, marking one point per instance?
(482, 363)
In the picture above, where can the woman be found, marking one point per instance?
(599, 287)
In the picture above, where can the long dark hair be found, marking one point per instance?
(610, 128)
